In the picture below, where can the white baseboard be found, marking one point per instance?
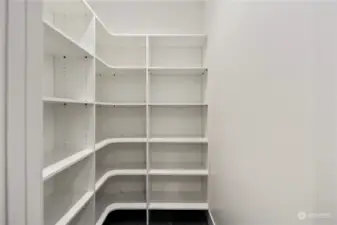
(210, 218)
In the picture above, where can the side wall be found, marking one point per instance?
(3, 14)
(272, 96)
(151, 17)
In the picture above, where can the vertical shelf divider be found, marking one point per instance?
(147, 130)
(94, 114)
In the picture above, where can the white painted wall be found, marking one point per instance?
(151, 16)
(272, 114)
(2, 109)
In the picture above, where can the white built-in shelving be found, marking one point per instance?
(125, 118)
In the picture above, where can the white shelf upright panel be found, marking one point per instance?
(69, 112)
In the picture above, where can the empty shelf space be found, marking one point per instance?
(177, 51)
(178, 158)
(68, 78)
(74, 19)
(177, 87)
(68, 192)
(103, 67)
(120, 159)
(122, 189)
(178, 189)
(109, 141)
(57, 42)
(120, 51)
(121, 87)
(106, 175)
(122, 156)
(178, 122)
(120, 122)
(68, 136)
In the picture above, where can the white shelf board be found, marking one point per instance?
(103, 67)
(57, 42)
(75, 209)
(178, 104)
(179, 172)
(117, 206)
(179, 140)
(65, 100)
(121, 104)
(177, 70)
(63, 164)
(106, 142)
(112, 173)
(179, 206)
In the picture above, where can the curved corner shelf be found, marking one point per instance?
(179, 140)
(179, 206)
(108, 141)
(63, 164)
(112, 173)
(102, 66)
(116, 206)
(179, 172)
(73, 211)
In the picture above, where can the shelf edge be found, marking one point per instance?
(75, 209)
(65, 163)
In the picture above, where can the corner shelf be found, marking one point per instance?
(59, 43)
(179, 206)
(112, 173)
(125, 119)
(108, 141)
(179, 172)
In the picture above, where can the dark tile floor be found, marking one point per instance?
(157, 217)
